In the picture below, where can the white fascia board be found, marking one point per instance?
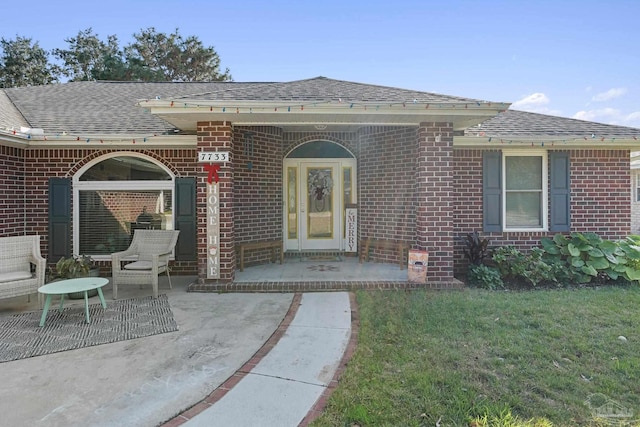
(118, 140)
(551, 141)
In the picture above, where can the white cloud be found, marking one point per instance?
(531, 101)
(610, 116)
(635, 116)
(632, 120)
(535, 103)
(604, 115)
(613, 93)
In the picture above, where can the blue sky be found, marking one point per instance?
(569, 58)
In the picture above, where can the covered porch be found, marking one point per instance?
(290, 159)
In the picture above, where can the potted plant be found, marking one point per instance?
(74, 267)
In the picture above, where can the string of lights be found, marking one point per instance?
(64, 136)
(217, 105)
(552, 141)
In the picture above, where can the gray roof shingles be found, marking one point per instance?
(514, 123)
(322, 89)
(100, 107)
(10, 116)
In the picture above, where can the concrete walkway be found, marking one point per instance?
(282, 387)
(217, 361)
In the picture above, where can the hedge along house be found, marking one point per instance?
(228, 163)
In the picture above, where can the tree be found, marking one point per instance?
(176, 58)
(24, 63)
(117, 68)
(152, 56)
(88, 57)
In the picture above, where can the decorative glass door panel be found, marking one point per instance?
(320, 194)
(320, 212)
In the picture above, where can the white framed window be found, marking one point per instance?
(524, 180)
(116, 194)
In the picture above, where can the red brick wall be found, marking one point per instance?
(386, 179)
(388, 172)
(434, 195)
(257, 189)
(600, 181)
(12, 192)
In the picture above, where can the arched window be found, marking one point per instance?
(320, 150)
(116, 195)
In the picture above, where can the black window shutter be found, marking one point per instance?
(559, 197)
(59, 218)
(492, 191)
(185, 219)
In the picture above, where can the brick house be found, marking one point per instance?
(81, 161)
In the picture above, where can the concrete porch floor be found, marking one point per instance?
(308, 275)
(297, 269)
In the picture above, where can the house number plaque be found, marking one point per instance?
(213, 156)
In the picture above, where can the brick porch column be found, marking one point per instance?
(434, 190)
(216, 136)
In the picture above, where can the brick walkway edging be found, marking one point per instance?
(226, 386)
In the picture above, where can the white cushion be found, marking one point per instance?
(142, 265)
(15, 275)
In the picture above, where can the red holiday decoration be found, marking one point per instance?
(213, 172)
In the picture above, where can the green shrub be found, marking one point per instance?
(505, 257)
(588, 256)
(485, 277)
(516, 266)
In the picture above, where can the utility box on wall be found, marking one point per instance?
(418, 261)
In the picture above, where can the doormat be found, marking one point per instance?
(321, 258)
(322, 267)
(21, 337)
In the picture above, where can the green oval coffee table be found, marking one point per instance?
(63, 287)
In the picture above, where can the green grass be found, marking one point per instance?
(425, 356)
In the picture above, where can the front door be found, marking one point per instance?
(316, 194)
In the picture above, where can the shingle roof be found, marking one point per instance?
(110, 107)
(322, 89)
(97, 107)
(10, 117)
(514, 123)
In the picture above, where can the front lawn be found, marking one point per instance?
(426, 357)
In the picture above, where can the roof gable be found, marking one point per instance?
(322, 89)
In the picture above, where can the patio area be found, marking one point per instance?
(142, 381)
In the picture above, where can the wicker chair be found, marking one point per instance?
(22, 268)
(147, 257)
